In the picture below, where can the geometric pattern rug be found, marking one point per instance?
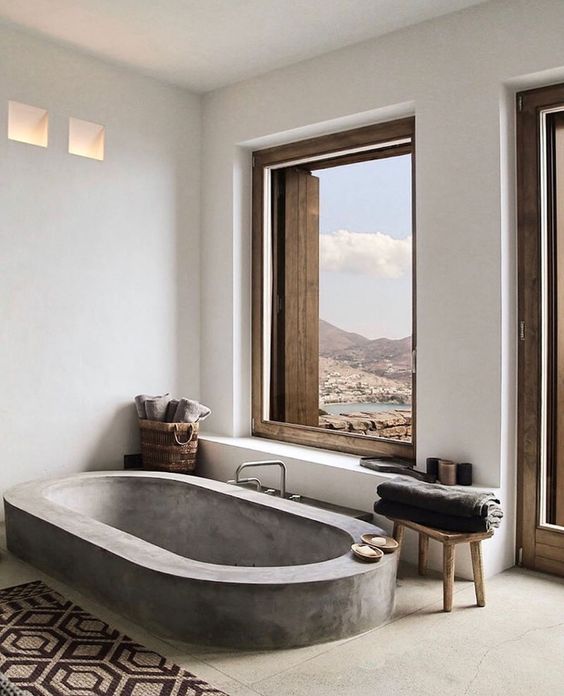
(51, 647)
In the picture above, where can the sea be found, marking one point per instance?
(369, 408)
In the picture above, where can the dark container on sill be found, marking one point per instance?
(464, 474)
(433, 467)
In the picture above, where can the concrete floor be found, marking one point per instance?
(514, 645)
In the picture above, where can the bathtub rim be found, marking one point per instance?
(32, 498)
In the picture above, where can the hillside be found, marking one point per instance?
(332, 339)
(383, 357)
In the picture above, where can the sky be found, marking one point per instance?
(365, 247)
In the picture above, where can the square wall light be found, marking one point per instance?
(86, 139)
(28, 124)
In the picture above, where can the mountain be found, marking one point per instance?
(332, 339)
(381, 356)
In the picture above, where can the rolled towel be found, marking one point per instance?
(141, 405)
(156, 408)
(438, 520)
(171, 410)
(190, 411)
(438, 498)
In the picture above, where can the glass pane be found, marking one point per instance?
(552, 255)
(365, 298)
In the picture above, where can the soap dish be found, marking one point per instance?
(366, 552)
(386, 544)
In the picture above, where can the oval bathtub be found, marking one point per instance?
(200, 560)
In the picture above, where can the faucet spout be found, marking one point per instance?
(254, 481)
(268, 462)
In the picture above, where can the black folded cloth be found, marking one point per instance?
(440, 506)
(438, 498)
(438, 520)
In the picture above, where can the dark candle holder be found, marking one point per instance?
(433, 467)
(464, 474)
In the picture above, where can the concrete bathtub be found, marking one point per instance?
(202, 561)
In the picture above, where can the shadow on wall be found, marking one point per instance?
(120, 436)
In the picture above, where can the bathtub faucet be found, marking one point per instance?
(269, 462)
(254, 481)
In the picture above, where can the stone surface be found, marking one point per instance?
(247, 569)
(394, 424)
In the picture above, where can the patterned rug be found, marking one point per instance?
(51, 647)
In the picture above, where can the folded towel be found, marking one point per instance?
(436, 498)
(190, 411)
(156, 410)
(438, 520)
(171, 410)
(140, 404)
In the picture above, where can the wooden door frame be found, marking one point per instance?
(530, 535)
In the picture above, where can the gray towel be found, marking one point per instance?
(438, 520)
(158, 406)
(140, 404)
(190, 411)
(171, 410)
(445, 500)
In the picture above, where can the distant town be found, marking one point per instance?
(340, 384)
(356, 371)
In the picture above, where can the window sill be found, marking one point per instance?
(276, 449)
(283, 449)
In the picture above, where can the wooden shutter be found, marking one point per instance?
(295, 312)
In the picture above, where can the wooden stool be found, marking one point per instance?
(449, 540)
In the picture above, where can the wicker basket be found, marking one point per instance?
(169, 446)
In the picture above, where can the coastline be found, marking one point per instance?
(372, 407)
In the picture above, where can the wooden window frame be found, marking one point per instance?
(327, 151)
(539, 546)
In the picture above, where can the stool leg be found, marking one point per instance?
(478, 570)
(423, 553)
(448, 575)
(398, 533)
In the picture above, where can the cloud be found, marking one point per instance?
(375, 254)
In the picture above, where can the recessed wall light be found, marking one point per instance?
(28, 124)
(86, 139)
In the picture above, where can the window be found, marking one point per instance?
(333, 288)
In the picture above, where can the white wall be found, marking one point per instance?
(458, 74)
(99, 261)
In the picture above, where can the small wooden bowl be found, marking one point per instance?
(365, 552)
(386, 544)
